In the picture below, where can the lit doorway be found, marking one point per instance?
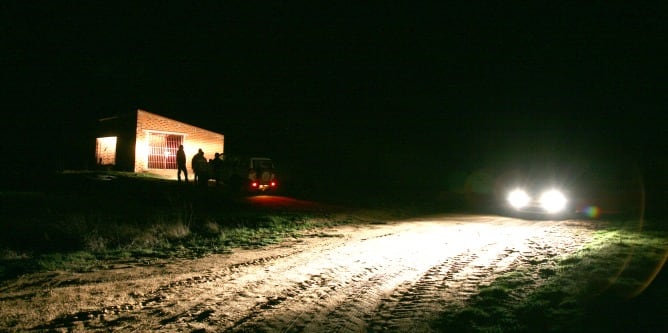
(105, 150)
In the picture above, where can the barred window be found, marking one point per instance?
(162, 150)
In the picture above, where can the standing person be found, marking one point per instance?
(216, 168)
(181, 164)
(199, 165)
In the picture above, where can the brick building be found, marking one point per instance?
(145, 142)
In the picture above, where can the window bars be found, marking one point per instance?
(162, 149)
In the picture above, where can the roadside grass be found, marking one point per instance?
(78, 220)
(611, 285)
(86, 245)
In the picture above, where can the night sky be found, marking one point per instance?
(411, 87)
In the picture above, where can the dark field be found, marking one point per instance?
(80, 222)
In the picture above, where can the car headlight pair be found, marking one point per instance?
(552, 201)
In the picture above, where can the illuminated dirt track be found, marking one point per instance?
(377, 277)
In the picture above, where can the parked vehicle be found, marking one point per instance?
(247, 174)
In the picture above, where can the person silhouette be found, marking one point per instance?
(181, 164)
(216, 168)
(199, 165)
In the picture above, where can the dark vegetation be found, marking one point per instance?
(76, 218)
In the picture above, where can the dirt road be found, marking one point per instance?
(378, 277)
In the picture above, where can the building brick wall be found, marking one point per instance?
(194, 138)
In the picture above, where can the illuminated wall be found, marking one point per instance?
(150, 127)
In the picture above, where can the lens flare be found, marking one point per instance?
(592, 211)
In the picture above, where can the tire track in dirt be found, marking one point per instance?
(446, 285)
(321, 291)
(355, 302)
(451, 283)
(393, 277)
(188, 301)
(299, 272)
(153, 302)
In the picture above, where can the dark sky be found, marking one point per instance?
(307, 81)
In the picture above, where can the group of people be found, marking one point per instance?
(203, 169)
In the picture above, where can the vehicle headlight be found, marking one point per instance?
(518, 198)
(553, 201)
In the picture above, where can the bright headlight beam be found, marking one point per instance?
(553, 201)
(518, 198)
